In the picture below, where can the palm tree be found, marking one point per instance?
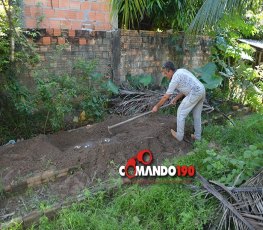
(164, 14)
(212, 11)
(202, 13)
(131, 11)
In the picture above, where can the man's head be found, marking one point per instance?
(168, 69)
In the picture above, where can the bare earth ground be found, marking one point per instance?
(93, 145)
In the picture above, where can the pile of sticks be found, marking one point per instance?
(131, 102)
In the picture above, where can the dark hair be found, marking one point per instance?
(169, 66)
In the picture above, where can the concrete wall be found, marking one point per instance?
(67, 14)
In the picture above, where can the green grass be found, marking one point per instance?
(136, 207)
(223, 154)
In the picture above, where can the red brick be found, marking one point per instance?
(92, 16)
(35, 11)
(76, 25)
(61, 13)
(82, 41)
(27, 11)
(61, 40)
(49, 13)
(107, 17)
(71, 33)
(80, 15)
(74, 5)
(46, 40)
(94, 6)
(64, 4)
(57, 32)
(65, 24)
(29, 2)
(104, 7)
(55, 4)
(55, 24)
(50, 32)
(49, 3)
(108, 26)
(30, 23)
(44, 23)
(72, 14)
(100, 17)
(85, 6)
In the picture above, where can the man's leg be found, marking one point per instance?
(197, 111)
(183, 110)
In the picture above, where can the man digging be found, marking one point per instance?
(194, 92)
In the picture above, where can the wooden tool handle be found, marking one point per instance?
(133, 118)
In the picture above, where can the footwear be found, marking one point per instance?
(173, 133)
(194, 138)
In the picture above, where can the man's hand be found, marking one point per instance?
(155, 109)
(174, 101)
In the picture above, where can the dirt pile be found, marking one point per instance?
(91, 146)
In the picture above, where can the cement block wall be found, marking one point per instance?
(60, 49)
(143, 52)
(119, 52)
(67, 14)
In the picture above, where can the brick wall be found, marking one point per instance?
(60, 49)
(118, 52)
(67, 14)
(144, 52)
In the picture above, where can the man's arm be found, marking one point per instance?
(164, 98)
(177, 97)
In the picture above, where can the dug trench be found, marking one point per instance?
(91, 151)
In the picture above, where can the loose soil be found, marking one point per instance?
(101, 152)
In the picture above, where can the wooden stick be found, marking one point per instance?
(133, 118)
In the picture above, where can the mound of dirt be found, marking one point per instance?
(92, 146)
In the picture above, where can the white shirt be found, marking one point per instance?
(184, 81)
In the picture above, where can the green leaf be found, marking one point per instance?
(112, 87)
(208, 69)
(247, 154)
(164, 82)
(252, 147)
(211, 81)
(221, 43)
(96, 76)
(94, 99)
(145, 80)
(208, 76)
(209, 167)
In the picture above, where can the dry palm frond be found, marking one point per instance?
(240, 208)
(132, 101)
